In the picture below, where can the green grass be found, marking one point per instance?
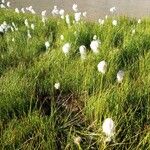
(33, 115)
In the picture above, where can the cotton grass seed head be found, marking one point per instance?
(120, 76)
(77, 140)
(57, 85)
(23, 10)
(62, 37)
(102, 67)
(67, 19)
(47, 44)
(32, 26)
(113, 9)
(95, 44)
(108, 128)
(8, 4)
(77, 16)
(114, 22)
(84, 14)
(17, 10)
(101, 21)
(2, 6)
(75, 7)
(82, 50)
(66, 48)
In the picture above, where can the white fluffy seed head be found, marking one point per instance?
(66, 48)
(55, 11)
(120, 76)
(2, 6)
(8, 4)
(26, 23)
(108, 128)
(114, 22)
(82, 50)
(113, 9)
(67, 19)
(29, 34)
(95, 37)
(62, 37)
(1, 29)
(139, 21)
(77, 140)
(77, 16)
(95, 46)
(75, 7)
(32, 26)
(47, 44)
(62, 12)
(102, 67)
(84, 14)
(101, 21)
(43, 13)
(17, 10)
(23, 10)
(57, 85)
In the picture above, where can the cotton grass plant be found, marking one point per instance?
(50, 101)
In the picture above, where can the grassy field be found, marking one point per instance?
(35, 115)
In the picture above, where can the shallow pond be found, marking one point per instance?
(95, 8)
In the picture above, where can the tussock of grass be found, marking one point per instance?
(33, 115)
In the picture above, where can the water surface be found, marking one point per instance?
(95, 8)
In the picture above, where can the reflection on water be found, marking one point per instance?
(95, 8)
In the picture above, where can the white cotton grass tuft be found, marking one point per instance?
(47, 44)
(66, 48)
(1, 29)
(106, 17)
(62, 37)
(95, 37)
(3, 1)
(139, 21)
(114, 22)
(62, 13)
(102, 67)
(29, 34)
(57, 86)
(82, 50)
(75, 7)
(67, 19)
(101, 21)
(113, 9)
(2, 6)
(77, 140)
(84, 14)
(32, 26)
(95, 44)
(77, 16)
(43, 13)
(120, 76)
(23, 10)
(55, 11)
(17, 10)
(26, 23)
(108, 128)
(8, 4)
(32, 11)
